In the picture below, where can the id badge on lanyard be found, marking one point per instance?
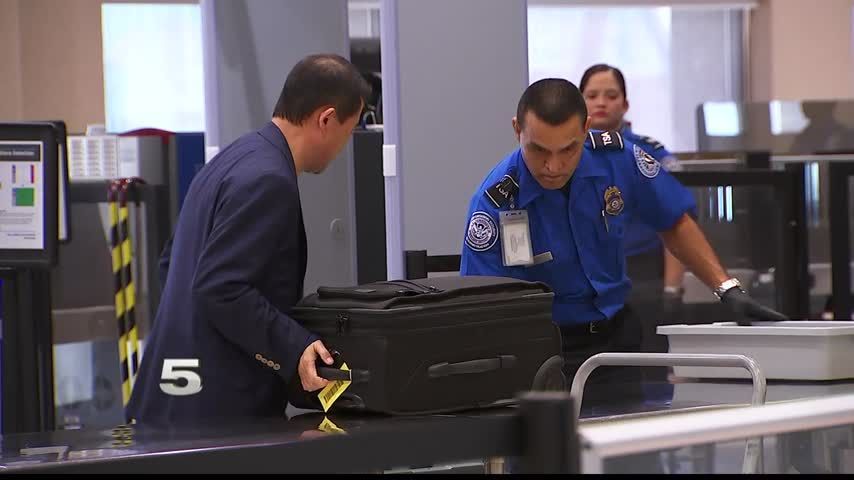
(516, 238)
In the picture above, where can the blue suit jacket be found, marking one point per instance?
(222, 344)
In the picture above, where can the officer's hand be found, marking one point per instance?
(306, 370)
(746, 306)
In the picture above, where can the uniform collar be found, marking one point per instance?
(530, 189)
(591, 166)
(272, 134)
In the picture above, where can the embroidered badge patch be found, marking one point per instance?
(482, 233)
(647, 164)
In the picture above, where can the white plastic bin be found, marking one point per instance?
(792, 350)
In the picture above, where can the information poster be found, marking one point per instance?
(21, 195)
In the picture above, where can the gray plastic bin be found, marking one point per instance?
(792, 350)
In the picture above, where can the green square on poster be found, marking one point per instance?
(24, 197)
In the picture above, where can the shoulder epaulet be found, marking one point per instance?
(655, 144)
(502, 192)
(606, 140)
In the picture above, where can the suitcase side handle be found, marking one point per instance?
(482, 365)
(354, 376)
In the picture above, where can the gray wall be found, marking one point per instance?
(462, 67)
(250, 46)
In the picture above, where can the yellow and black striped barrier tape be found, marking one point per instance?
(116, 256)
(126, 272)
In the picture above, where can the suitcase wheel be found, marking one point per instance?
(550, 376)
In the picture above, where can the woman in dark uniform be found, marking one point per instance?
(656, 274)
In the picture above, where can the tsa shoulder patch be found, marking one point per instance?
(607, 140)
(647, 164)
(502, 193)
(482, 232)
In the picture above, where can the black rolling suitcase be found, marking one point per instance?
(436, 345)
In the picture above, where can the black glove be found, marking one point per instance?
(745, 306)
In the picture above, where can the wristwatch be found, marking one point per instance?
(726, 286)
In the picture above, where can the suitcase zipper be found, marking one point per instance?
(405, 289)
(342, 321)
(416, 286)
(372, 322)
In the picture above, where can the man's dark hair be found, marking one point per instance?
(552, 100)
(319, 80)
(600, 68)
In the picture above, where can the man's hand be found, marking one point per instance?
(306, 369)
(746, 306)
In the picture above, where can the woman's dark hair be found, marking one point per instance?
(600, 68)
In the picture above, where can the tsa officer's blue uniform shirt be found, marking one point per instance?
(223, 344)
(577, 239)
(640, 238)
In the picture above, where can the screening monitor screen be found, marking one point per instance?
(21, 215)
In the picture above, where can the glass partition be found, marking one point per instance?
(779, 127)
(818, 134)
(87, 371)
(803, 436)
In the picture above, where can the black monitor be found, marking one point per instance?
(29, 187)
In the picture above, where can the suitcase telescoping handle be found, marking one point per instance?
(482, 365)
(354, 376)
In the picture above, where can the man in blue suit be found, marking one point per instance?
(223, 346)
